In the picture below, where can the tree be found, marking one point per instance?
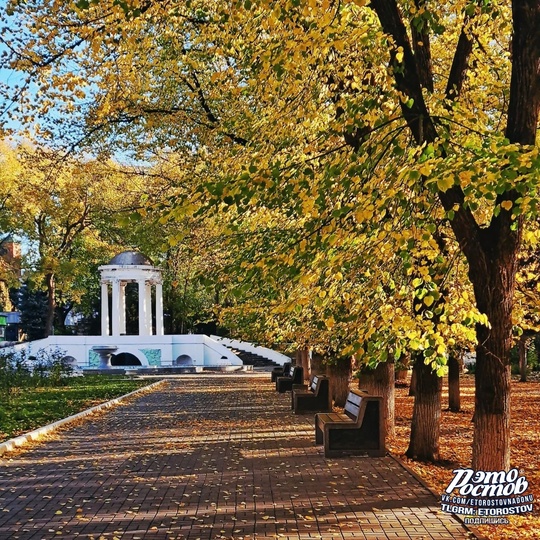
(381, 382)
(454, 369)
(65, 209)
(491, 251)
(9, 263)
(342, 116)
(33, 308)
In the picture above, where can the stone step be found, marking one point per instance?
(255, 360)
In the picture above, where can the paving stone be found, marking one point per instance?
(209, 457)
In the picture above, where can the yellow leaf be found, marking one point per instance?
(445, 183)
(330, 322)
(507, 205)
(425, 169)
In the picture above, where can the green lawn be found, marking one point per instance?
(30, 408)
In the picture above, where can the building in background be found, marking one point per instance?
(10, 275)
(10, 326)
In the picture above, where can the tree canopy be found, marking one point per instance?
(362, 151)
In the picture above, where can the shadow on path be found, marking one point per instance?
(204, 458)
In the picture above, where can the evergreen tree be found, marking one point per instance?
(33, 307)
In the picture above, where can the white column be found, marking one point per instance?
(148, 307)
(122, 307)
(104, 308)
(115, 307)
(142, 307)
(159, 310)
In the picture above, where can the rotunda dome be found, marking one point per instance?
(130, 258)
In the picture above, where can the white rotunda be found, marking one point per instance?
(150, 349)
(130, 267)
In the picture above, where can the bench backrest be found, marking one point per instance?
(353, 404)
(297, 375)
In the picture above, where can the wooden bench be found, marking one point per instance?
(284, 384)
(283, 371)
(313, 397)
(358, 430)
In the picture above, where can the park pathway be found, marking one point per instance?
(206, 458)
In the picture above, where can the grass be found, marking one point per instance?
(30, 408)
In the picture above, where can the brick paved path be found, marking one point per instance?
(204, 458)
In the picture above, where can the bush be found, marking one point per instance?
(17, 370)
(49, 368)
(14, 373)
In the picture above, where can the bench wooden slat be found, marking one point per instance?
(352, 409)
(333, 417)
(354, 398)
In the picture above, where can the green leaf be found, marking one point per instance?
(441, 371)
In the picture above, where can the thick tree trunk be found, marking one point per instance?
(306, 363)
(381, 382)
(51, 304)
(522, 349)
(412, 385)
(491, 442)
(298, 357)
(317, 364)
(425, 426)
(339, 373)
(454, 393)
(494, 282)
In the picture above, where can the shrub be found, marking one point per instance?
(50, 367)
(14, 373)
(18, 370)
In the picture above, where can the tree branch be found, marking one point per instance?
(422, 49)
(421, 124)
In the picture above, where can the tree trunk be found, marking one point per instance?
(522, 348)
(425, 426)
(491, 443)
(317, 364)
(306, 363)
(412, 385)
(339, 373)
(454, 394)
(381, 382)
(51, 304)
(493, 279)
